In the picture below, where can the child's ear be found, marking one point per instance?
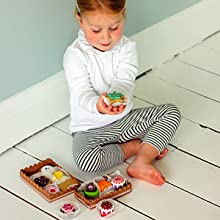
(79, 20)
(124, 12)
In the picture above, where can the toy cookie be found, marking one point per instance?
(52, 189)
(114, 99)
(66, 184)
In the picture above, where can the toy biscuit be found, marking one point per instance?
(114, 99)
(64, 185)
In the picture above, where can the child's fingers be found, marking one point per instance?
(115, 109)
(109, 109)
(101, 106)
(121, 107)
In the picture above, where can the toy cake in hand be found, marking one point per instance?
(115, 99)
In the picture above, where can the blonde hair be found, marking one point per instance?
(110, 6)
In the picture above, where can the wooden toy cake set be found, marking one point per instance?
(53, 182)
(110, 186)
(49, 179)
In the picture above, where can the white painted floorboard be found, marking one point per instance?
(15, 208)
(203, 58)
(51, 139)
(14, 183)
(213, 42)
(192, 106)
(190, 78)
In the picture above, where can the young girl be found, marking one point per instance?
(102, 60)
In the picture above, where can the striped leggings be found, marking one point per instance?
(98, 149)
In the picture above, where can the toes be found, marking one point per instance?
(162, 154)
(147, 173)
(161, 180)
(165, 151)
(157, 179)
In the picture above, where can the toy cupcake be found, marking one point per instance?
(118, 181)
(91, 191)
(67, 209)
(106, 207)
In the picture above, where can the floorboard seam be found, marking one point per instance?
(143, 74)
(19, 149)
(197, 67)
(60, 129)
(189, 90)
(193, 194)
(212, 129)
(26, 201)
(211, 35)
(192, 155)
(188, 119)
(136, 210)
(210, 48)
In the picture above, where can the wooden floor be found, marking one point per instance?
(191, 80)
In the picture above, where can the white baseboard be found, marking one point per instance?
(32, 110)
(44, 103)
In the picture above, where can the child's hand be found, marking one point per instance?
(110, 110)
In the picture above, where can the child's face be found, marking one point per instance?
(102, 30)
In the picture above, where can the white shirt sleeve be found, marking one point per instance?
(124, 80)
(78, 80)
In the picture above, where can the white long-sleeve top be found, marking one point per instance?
(90, 73)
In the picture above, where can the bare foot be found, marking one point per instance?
(146, 172)
(142, 167)
(162, 154)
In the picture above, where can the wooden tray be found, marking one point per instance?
(113, 193)
(27, 172)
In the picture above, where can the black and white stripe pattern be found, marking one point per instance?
(98, 149)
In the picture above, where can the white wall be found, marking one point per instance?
(35, 34)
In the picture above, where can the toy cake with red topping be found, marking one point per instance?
(106, 207)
